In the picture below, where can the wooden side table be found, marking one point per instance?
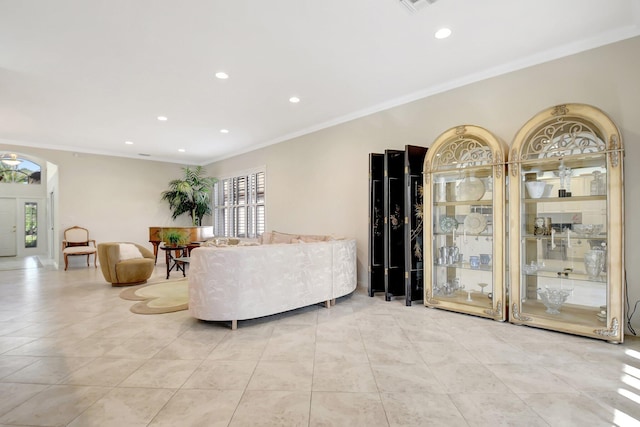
(174, 256)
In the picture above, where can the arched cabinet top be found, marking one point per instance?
(464, 147)
(566, 130)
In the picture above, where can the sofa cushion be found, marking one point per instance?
(129, 251)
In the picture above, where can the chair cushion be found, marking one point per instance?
(129, 251)
(79, 250)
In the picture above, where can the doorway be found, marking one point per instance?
(8, 227)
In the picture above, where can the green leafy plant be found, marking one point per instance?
(174, 238)
(191, 194)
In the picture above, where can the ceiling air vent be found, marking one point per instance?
(415, 5)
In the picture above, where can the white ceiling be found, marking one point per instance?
(88, 75)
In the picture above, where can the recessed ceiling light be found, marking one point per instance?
(222, 75)
(182, 150)
(224, 130)
(443, 33)
(162, 118)
(294, 99)
(128, 142)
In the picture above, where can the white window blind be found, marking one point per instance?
(239, 205)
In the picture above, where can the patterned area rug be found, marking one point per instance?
(157, 298)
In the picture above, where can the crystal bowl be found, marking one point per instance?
(554, 298)
(535, 189)
(530, 268)
(587, 229)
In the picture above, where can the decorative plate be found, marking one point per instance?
(469, 189)
(448, 224)
(475, 223)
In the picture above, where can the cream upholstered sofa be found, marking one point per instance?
(125, 264)
(242, 282)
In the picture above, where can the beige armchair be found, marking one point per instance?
(76, 242)
(125, 264)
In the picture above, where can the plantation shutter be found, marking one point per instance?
(239, 205)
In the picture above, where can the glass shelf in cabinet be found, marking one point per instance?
(576, 275)
(574, 235)
(461, 233)
(577, 162)
(472, 298)
(565, 199)
(486, 202)
(466, 266)
(569, 313)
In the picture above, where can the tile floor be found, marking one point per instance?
(71, 354)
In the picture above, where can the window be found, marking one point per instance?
(30, 225)
(238, 205)
(19, 170)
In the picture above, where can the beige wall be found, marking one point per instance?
(117, 199)
(318, 183)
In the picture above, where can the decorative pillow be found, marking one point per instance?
(265, 238)
(129, 251)
(278, 237)
(216, 242)
(313, 239)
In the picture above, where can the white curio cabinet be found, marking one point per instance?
(464, 232)
(566, 223)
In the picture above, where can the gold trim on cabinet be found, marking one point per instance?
(516, 314)
(497, 312)
(512, 164)
(560, 110)
(430, 300)
(499, 164)
(614, 146)
(613, 332)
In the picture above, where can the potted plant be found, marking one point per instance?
(173, 238)
(191, 194)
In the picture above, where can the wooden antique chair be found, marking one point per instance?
(76, 242)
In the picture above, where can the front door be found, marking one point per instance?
(8, 227)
